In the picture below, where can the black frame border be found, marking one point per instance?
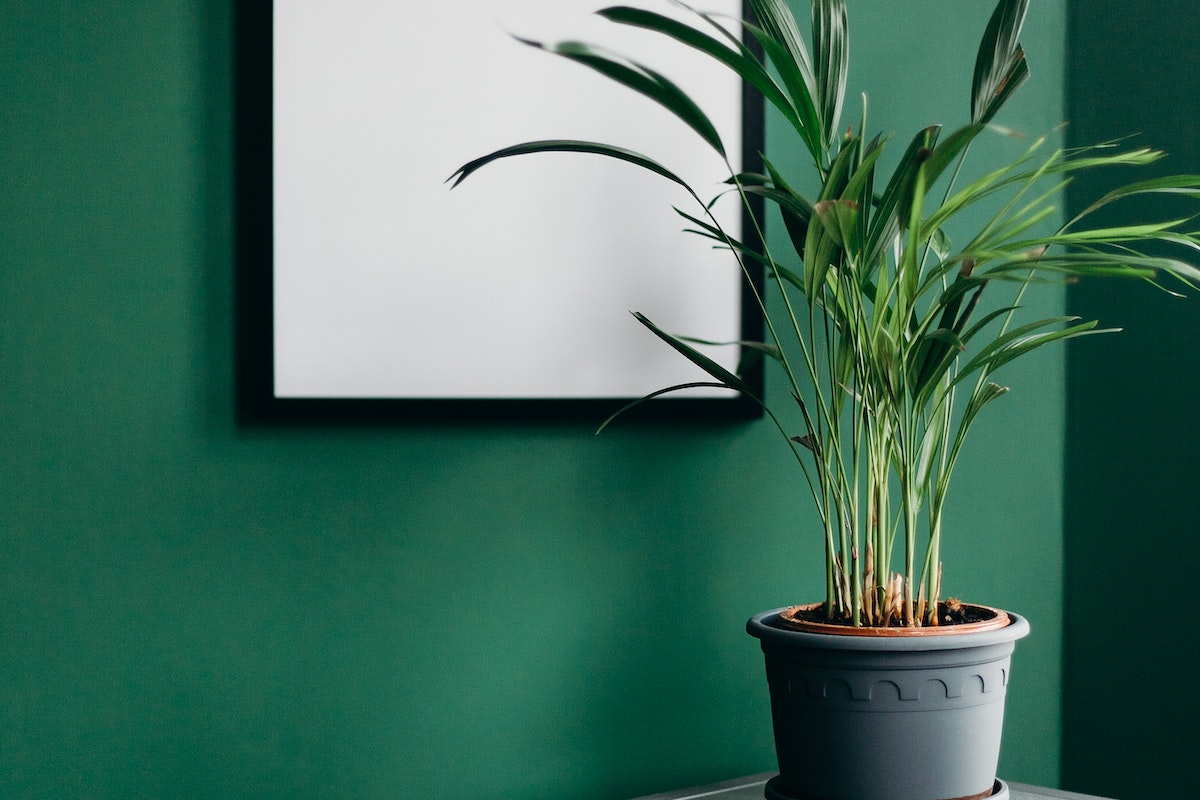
(256, 402)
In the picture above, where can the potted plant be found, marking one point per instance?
(887, 335)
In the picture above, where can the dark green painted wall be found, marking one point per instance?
(193, 609)
(1131, 523)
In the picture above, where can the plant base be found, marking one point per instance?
(772, 792)
(810, 617)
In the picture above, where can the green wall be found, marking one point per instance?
(1134, 436)
(191, 608)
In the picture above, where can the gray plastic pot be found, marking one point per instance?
(886, 717)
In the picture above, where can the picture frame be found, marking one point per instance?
(302, 64)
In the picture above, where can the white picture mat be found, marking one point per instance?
(518, 283)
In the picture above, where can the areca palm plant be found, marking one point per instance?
(876, 320)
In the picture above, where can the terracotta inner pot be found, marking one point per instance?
(989, 619)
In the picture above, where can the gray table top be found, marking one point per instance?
(751, 788)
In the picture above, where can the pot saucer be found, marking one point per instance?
(999, 792)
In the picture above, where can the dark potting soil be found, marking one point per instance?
(950, 612)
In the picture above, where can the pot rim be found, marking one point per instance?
(767, 627)
(998, 619)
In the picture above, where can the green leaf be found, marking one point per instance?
(727, 378)
(796, 210)
(831, 218)
(831, 52)
(783, 45)
(658, 393)
(792, 205)
(838, 178)
(1000, 64)
(984, 393)
(951, 148)
(752, 352)
(569, 146)
(937, 360)
(947, 336)
(1017, 74)
(1091, 264)
(776, 271)
(640, 79)
(987, 318)
(1022, 340)
(908, 271)
(818, 251)
(1113, 234)
(740, 61)
(721, 236)
(840, 219)
(1186, 185)
(893, 207)
(751, 356)
(859, 193)
(777, 20)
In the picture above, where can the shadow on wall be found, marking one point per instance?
(1133, 436)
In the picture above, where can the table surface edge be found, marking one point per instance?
(749, 781)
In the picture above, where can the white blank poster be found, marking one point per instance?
(518, 283)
